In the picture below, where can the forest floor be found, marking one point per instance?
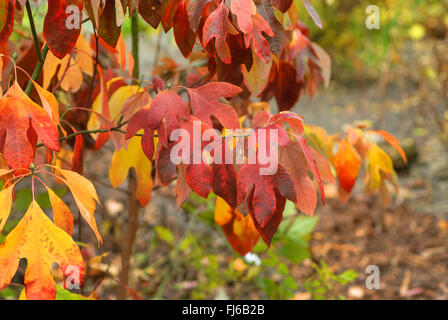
(409, 248)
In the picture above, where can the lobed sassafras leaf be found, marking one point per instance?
(39, 241)
(22, 121)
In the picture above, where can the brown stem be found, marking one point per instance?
(133, 205)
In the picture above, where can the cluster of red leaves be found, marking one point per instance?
(240, 185)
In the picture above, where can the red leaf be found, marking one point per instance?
(194, 11)
(167, 13)
(150, 11)
(218, 26)
(198, 173)
(198, 178)
(108, 29)
(263, 199)
(78, 155)
(307, 151)
(252, 25)
(161, 116)
(286, 87)
(268, 230)
(282, 5)
(278, 41)
(166, 169)
(60, 28)
(224, 178)
(7, 22)
(205, 103)
(183, 34)
(183, 190)
(293, 160)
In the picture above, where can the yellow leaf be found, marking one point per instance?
(257, 77)
(5, 203)
(123, 160)
(62, 215)
(84, 57)
(51, 64)
(85, 196)
(41, 243)
(116, 102)
(71, 76)
(377, 162)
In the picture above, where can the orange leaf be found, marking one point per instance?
(240, 231)
(347, 163)
(23, 120)
(84, 194)
(393, 142)
(62, 215)
(41, 243)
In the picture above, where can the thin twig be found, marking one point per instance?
(41, 55)
(95, 70)
(33, 30)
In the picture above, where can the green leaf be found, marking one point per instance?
(64, 294)
(302, 226)
(165, 234)
(347, 276)
(293, 251)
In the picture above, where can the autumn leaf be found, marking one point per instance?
(62, 216)
(257, 77)
(109, 30)
(7, 8)
(218, 26)
(150, 11)
(194, 11)
(263, 193)
(6, 195)
(347, 164)
(197, 171)
(313, 13)
(41, 243)
(69, 73)
(224, 178)
(134, 157)
(22, 119)
(205, 103)
(84, 194)
(295, 163)
(240, 231)
(162, 116)
(392, 141)
(277, 43)
(167, 13)
(60, 29)
(253, 26)
(183, 190)
(282, 5)
(379, 169)
(183, 33)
